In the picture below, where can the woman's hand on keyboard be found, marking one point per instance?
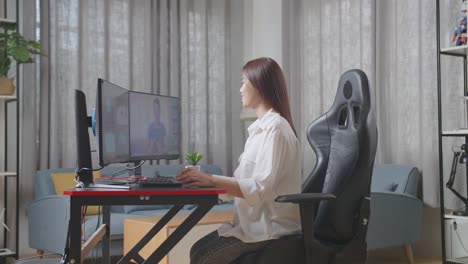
(193, 178)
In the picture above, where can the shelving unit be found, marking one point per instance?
(7, 176)
(455, 133)
(452, 226)
(9, 172)
(455, 51)
(8, 250)
(3, 20)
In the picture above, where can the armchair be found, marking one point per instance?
(334, 203)
(396, 218)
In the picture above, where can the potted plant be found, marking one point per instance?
(13, 47)
(193, 158)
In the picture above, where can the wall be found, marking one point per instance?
(430, 243)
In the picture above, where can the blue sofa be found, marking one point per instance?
(395, 220)
(48, 214)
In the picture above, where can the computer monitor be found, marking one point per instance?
(133, 126)
(83, 149)
(112, 123)
(154, 126)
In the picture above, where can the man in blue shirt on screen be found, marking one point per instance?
(157, 130)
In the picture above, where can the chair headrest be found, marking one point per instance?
(352, 100)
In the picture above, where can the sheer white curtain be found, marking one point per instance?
(407, 89)
(335, 36)
(187, 48)
(177, 48)
(394, 42)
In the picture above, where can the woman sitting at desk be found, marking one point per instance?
(269, 166)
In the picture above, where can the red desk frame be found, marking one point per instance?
(204, 198)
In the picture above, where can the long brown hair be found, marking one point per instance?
(268, 78)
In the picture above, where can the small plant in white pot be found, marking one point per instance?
(193, 158)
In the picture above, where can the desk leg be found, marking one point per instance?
(179, 233)
(106, 239)
(75, 231)
(133, 253)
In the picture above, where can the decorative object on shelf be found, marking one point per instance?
(459, 156)
(459, 34)
(193, 158)
(14, 47)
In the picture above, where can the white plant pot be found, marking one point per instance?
(196, 167)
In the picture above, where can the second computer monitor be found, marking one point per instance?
(112, 123)
(154, 126)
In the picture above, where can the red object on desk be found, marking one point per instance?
(142, 191)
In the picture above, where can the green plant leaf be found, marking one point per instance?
(21, 54)
(14, 47)
(194, 157)
(4, 65)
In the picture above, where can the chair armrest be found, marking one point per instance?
(307, 203)
(304, 197)
(48, 223)
(395, 219)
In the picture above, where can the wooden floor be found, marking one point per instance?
(374, 257)
(370, 261)
(397, 257)
(417, 261)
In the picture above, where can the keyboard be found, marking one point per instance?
(159, 181)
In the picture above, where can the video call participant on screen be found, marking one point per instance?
(156, 131)
(269, 166)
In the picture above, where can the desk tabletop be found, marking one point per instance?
(143, 191)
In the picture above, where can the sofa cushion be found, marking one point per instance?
(43, 185)
(64, 181)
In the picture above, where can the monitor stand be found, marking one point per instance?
(137, 168)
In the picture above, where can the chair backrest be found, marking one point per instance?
(344, 140)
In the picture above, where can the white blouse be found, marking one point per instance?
(269, 166)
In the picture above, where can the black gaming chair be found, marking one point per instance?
(334, 202)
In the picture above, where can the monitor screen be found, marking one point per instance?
(112, 123)
(154, 126)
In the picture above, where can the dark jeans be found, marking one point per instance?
(215, 249)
